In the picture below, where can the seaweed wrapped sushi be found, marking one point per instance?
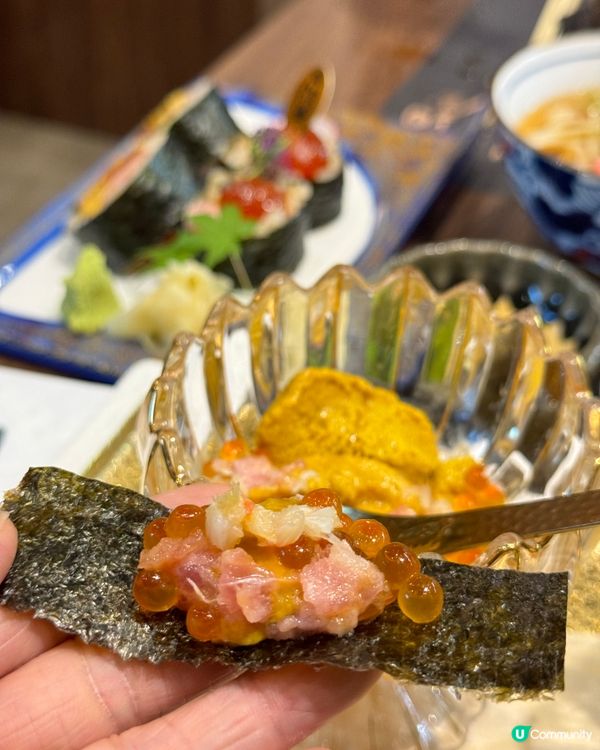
(312, 156)
(138, 200)
(278, 208)
(198, 118)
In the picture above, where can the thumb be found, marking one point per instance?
(8, 543)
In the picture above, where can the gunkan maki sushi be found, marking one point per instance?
(308, 155)
(278, 206)
(138, 200)
(209, 134)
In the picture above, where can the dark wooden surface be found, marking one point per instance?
(375, 46)
(103, 64)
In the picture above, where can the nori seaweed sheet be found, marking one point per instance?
(326, 201)
(280, 251)
(501, 631)
(148, 210)
(205, 130)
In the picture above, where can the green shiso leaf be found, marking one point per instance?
(214, 239)
(501, 631)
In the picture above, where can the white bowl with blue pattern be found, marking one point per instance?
(562, 201)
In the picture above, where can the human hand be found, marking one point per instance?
(56, 693)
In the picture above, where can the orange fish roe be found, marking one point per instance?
(222, 566)
(298, 554)
(155, 590)
(465, 556)
(185, 519)
(422, 599)
(398, 563)
(154, 532)
(233, 449)
(368, 536)
(324, 498)
(203, 622)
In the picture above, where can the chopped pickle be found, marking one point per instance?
(278, 503)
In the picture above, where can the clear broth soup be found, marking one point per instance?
(567, 128)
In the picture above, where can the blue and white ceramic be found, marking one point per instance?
(563, 202)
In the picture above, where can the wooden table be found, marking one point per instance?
(375, 46)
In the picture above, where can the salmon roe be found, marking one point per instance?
(298, 554)
(255, 198)
(203, 622)
(398, 563)
(422, 599)
(154, 532)
(155, 591)
(185, 519)
(233, 449)
(324, 498)
(368, 536)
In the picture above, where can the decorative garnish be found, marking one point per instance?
(214, 238)
(306, 98)
(296, 150)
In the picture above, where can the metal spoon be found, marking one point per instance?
(459, 530)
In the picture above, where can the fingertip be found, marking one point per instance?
(8, 543)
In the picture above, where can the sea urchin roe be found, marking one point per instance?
(398, 563)
(154, 532)
(155, 590)
(184, 519)
(422, 599)
(368, 536)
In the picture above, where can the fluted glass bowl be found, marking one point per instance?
(487, 385)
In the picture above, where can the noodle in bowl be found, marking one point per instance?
(563, 201)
